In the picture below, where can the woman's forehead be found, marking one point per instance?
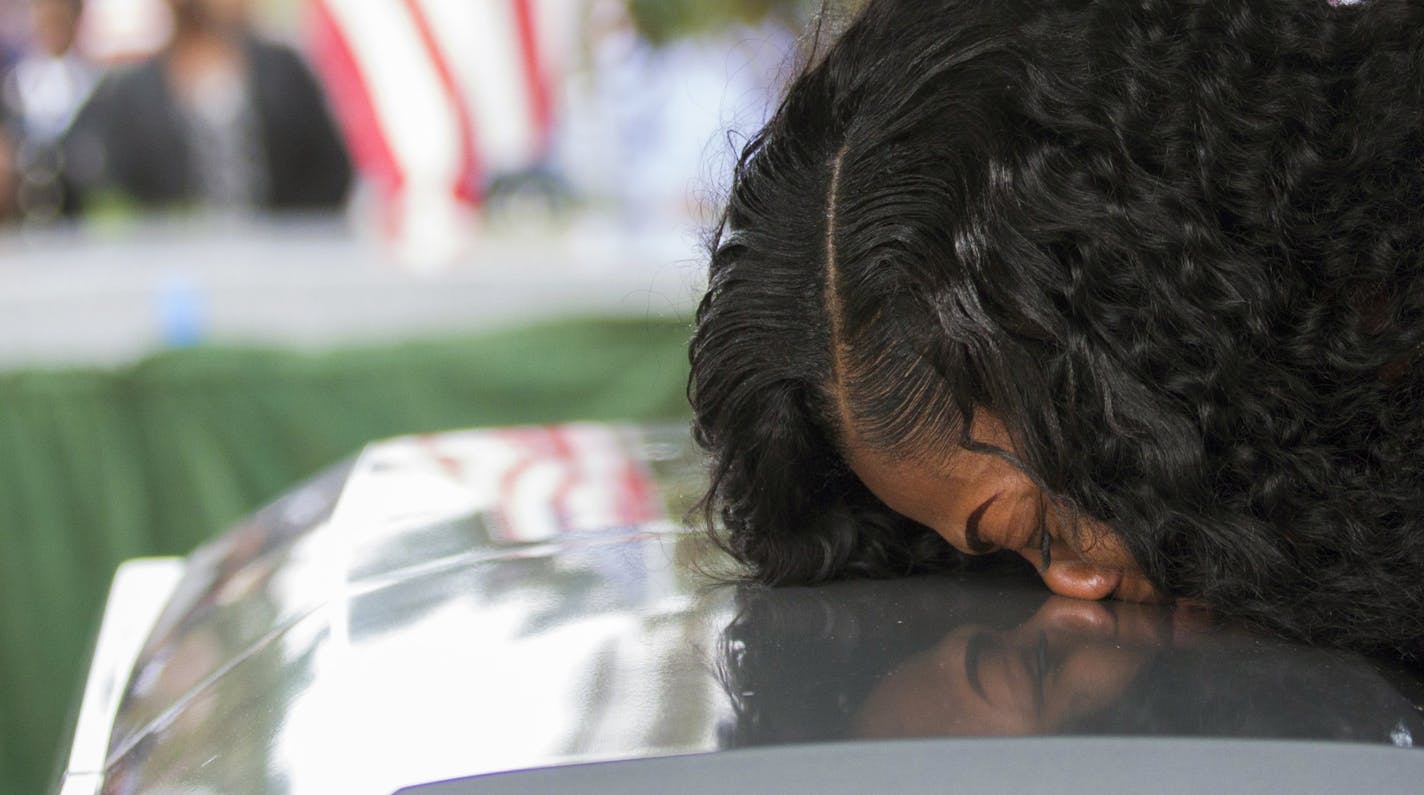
(911, 486)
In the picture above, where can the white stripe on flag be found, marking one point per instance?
(481, 45)
(406, 93)
(557, 26)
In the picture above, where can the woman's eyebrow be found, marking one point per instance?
(972, 539)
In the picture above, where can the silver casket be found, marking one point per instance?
(524, 610)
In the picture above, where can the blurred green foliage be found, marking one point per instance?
(661, 21)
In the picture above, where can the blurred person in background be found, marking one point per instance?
(220, 119)
(40, 98)
(667, 79)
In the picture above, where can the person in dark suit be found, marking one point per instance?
(219, 119)
(40, 96)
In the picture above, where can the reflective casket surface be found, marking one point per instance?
(497, 600)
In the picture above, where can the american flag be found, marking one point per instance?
(435, 96)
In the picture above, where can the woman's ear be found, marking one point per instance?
(1080, 579)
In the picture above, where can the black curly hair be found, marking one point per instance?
(1176, 247)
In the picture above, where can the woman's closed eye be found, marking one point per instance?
(972, 538)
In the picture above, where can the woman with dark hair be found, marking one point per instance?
(1134, 288)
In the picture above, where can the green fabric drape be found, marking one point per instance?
(99, 466)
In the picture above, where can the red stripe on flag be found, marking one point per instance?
(467, 183)
(537, 84)
(340, 69)
(638, 495)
